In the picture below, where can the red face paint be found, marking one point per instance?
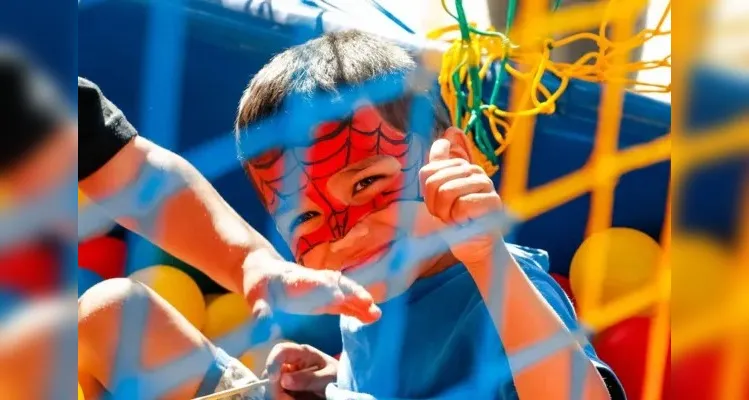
(305, 173)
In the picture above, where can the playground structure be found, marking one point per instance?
(570, 146)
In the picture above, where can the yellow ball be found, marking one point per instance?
(255, 358)
(80, 393)
(224, 314)
(177, 288)
(701, 277)
(628, 263)
(210, 297)
(82, 199)
(251, 361)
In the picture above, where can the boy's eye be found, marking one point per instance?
(365, 183)
(302, 218)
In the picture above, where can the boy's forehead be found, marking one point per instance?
(336, 144)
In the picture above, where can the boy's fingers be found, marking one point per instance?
(428, 171)
(292, 356)
(474, 206)
(306, 381)
(439, 178)
(277, 391)
(451, 192)
(358, 298)
(440, 150)
(433, 167)
(355, 302)
(366, 317)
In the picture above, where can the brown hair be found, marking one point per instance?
(324, 64)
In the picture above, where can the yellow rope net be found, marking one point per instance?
(471, 56)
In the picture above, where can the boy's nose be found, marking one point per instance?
(358, 232)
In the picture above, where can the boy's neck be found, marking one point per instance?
(442, 263)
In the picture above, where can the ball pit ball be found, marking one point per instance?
(30, 269)
(224, 314)
(564, 283)
(255, 358)
(82, 199)
(629, 261)
(702, 278)
(86, 280)
(624, 347)
(249, 360)
(104, 255)
(177, 288)
(209, 298)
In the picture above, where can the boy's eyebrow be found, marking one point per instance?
(362, 165)
(284, 207)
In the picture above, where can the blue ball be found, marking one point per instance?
(9, 301)
(86, 279)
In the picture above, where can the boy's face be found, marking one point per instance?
(336, 202)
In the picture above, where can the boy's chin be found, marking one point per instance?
(393, 286)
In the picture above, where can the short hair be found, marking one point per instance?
(31, 107)
(325, 64)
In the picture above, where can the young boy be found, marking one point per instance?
(438, 339)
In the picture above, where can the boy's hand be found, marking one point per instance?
(286, 286)
(296, 369)
(455, 192)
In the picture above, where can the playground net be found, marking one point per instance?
(502, 136)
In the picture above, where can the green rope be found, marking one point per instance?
(511, 10)
(474, 124)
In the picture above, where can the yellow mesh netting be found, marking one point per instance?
(470, 57)
(523, 51)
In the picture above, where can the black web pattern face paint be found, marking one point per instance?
(279, 176)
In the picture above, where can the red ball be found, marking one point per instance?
(624, 348)
(104, 255)
(29, 269)
(564, 283)
(697, 374)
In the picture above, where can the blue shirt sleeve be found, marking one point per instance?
(561, 304)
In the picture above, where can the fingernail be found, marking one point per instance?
(287, 381)
(375, 311)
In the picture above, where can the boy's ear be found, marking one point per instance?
(459, 146)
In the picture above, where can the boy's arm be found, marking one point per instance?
(185, 216)
(458, 192)
(526, 320)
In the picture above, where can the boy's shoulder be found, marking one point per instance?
(530, 257)
(533, 261)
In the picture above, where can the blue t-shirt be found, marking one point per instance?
(437, 340)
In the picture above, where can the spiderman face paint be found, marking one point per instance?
(331, 192)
